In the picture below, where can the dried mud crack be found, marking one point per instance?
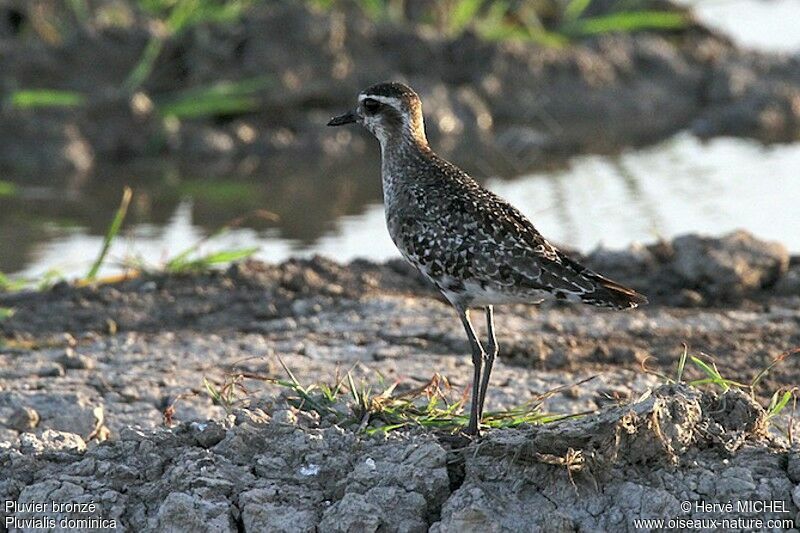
(289, 472)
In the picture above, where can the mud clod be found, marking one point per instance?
(641, 460)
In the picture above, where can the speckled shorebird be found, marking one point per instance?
(474, 246)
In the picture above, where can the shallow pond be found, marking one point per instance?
(678, 186)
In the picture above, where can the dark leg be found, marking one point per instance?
(477, 362)
(489, 355)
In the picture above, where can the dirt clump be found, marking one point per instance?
(290, 473)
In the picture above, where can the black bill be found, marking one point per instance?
(347, 118)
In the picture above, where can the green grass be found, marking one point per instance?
(6, 312)
(624, 22)
(219, 99)
(380, 408)
(7, 188)
(44, 98)
(552, 24)
(80, 8)
(575, 8)
(228, 394)
(111, 233)
(8, 284)
(188, 260)
(549, 24)
(713, 376)
(183, 264)
(42, 282)
(779, 399)
(174, 17)
(462, 14)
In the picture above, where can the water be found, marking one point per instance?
(767, 25)
(678, 186)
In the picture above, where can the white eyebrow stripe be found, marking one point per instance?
(388, 100)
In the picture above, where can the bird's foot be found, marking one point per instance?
(472, 431)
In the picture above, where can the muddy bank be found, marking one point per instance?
(103, 398)
(499, 108)
(288, 471)
(689, 271)
(103, 358)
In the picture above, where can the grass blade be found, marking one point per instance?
(223, 98)
(179, 262)
(211, 105)
(145, 65)
(181, 265)
(713, 376)
(682, 364)
(710, 371)
(175, 17)
(575, 9)
(625, 22)
(37, 98)
(113, 230)
(463, 13)
(288, 372)
(212, 391)
(779, 402)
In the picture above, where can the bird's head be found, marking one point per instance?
(392, 112)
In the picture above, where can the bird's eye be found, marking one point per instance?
(370, 105)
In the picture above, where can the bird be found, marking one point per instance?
(474, 246)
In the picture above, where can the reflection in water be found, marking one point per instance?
(636, 196)
(308, 199)
(678, 186)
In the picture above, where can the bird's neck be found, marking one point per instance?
(400, 158)
(403, 147)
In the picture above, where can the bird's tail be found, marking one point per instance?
(612, 294)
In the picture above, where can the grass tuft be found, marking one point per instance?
(228, 394)
(185, 261)
(713, 376)
(778, 401)
(433, 406)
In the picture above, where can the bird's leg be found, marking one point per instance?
(489, 355)
(477, 362)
